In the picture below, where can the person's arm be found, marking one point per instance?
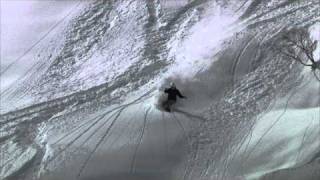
(166, 90)
(180, 95)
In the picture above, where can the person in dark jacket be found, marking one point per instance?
(172, 92)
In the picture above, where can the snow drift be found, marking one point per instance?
(86, 109)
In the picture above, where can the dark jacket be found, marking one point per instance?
(173, 93)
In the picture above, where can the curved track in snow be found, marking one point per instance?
(88, 108)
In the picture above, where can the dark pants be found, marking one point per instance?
(167, 104)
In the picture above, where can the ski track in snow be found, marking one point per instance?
(87, 108)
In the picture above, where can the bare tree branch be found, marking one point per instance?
(297, 45)
(295, 58)
(302, 46)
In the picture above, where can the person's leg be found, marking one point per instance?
(170, 104)
(165, 105)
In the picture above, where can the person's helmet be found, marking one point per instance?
(172, 85)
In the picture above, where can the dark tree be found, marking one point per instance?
(297, 45)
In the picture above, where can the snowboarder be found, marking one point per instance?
(172, 92)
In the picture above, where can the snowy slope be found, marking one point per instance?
(88, 108)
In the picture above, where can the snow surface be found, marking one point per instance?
(88, 107)
(23, 23)
(315, 34)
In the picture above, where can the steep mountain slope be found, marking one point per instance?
(88, 108)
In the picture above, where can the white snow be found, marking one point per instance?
(194, 50)
(315, 35)
(14, 158)
(292, 141)
(23, 23)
